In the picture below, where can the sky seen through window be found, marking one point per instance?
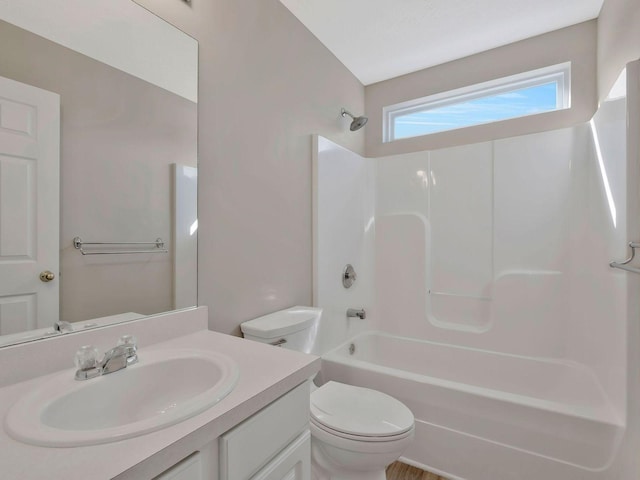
(493, 108)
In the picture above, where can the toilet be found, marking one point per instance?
(355, 432)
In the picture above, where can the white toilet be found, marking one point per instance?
(355, 432)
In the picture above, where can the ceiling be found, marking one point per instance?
(382, 39)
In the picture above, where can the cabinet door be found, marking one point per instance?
(293, 463)
(188, 469)
(247, 448)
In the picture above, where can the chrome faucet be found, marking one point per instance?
(121, 356)
(118, 358)
(62, 326)
(352, 313)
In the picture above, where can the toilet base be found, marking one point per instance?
(321, 474)
(336, 458)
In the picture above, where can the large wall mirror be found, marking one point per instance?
(98, 166)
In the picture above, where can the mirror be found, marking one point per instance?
(98, 166)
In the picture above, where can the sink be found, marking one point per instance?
(164, 388)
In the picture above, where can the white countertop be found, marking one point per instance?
(266, 373)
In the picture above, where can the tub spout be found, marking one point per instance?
(352, 313)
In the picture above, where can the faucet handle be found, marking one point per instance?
(86, 361)
(86, 357)
(129, 341)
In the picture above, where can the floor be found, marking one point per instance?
(402, 471)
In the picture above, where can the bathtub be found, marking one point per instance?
(483, 415)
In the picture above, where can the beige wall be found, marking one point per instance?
(266, 84)
(576, 44)
(618, 40)
(119, 136)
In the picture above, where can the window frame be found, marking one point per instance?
(559, 74)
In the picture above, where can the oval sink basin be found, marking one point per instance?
(164, 388)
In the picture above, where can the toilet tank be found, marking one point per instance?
(294, 328)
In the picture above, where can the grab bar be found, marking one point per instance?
(79, 244)
(624, 265)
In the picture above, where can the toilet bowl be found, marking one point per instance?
(334, 458)
(355, 432)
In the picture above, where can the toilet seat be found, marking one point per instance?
(361, 438)
(358, 413)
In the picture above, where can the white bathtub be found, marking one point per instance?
(482, 415)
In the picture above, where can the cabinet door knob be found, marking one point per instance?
(47, 276)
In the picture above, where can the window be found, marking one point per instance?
(529, 93)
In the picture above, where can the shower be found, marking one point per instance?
(358, 122)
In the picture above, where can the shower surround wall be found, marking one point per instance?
(512, 240)
(490, 245)
(343, 233)
(505, 246)
(497, 251)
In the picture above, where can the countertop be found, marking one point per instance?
(266, 373)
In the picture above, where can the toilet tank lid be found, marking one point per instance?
(283, 322)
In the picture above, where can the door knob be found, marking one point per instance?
(47, 276)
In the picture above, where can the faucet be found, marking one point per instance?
(62, 326)
(352, 313)
(121, 356)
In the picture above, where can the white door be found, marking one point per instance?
(29, 206)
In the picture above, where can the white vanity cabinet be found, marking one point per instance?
(260, 431)
(273, 444)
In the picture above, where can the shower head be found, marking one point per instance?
(358, 122)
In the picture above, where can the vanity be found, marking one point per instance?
(259, 430)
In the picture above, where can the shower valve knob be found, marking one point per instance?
(348, 276)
